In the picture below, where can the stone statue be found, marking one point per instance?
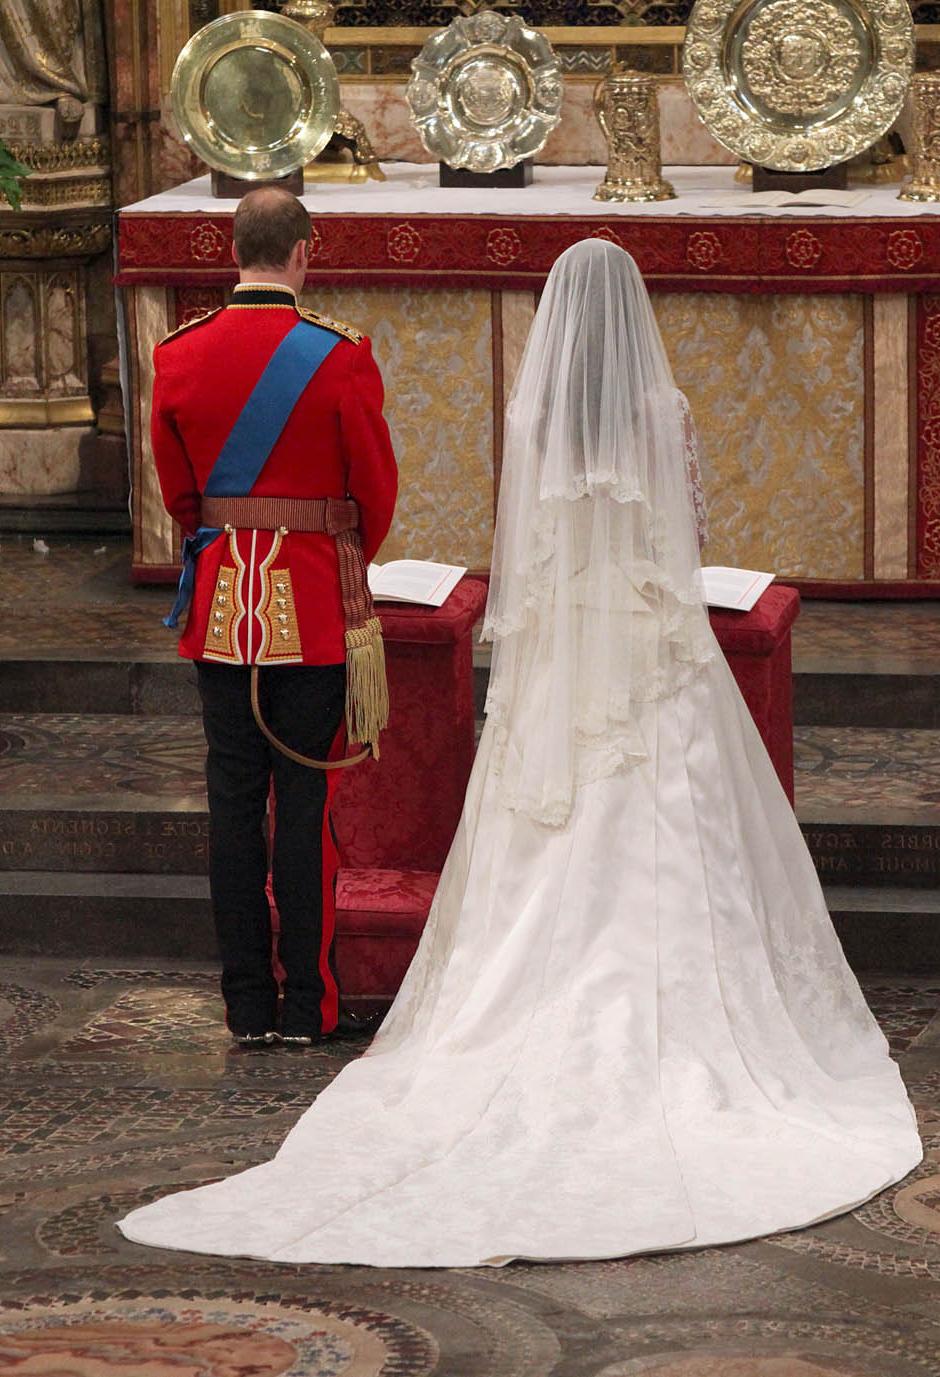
(52, 51)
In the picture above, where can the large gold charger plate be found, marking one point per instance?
(798, 85)
(255, 95)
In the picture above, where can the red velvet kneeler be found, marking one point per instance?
(757, 646)
(395, 818)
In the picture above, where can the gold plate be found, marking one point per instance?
(255, 95)
(798, 85)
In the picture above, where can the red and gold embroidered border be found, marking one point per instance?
(928, 437)
(674, 253)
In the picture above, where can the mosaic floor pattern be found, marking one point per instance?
(117, 1084)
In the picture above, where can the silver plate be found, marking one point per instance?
(485, 93)
(798, 84)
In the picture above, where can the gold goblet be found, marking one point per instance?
(628, 112)
(925, 155)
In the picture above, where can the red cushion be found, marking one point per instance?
(380, 915)
(386, 901)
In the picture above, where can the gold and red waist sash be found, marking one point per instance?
(278, 640)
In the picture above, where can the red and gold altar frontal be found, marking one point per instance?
(808, 343)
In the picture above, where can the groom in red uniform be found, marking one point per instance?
(263, 400)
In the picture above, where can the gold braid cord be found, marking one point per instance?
(295, 756)
(367, 705)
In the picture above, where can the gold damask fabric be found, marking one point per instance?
(777, 389)
(435, 350)
(51, 48)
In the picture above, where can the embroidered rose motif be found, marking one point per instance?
(610, 235)
(316, 241)
(206, 242)
(904, 249)
(931, 433)
(503, 246)
(404, 243)
(703, 250)
(803, 249)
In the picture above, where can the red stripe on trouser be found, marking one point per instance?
(329, 1004)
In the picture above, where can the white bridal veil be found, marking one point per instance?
(595, 604)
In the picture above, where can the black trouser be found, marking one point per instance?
(303, 705)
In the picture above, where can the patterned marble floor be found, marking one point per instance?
(76, 603)
(118, 1084)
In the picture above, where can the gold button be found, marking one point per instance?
(282, 616)
(282, 602)
(281, 587)
(282, 530)
(285, 631)
(221, 599)
(229, 530)
(217, 631)
(223, 583)
(219, 616)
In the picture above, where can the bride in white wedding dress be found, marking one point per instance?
(629, 1025)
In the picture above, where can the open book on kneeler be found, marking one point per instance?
(414, 580)
(737, 589)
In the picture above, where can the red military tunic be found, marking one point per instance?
(265, 597)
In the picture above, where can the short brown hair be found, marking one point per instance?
(268, 223)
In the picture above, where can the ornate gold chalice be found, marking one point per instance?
(349, 155)
(925, 155)
(627, 110)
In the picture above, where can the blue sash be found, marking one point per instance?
(254, 435)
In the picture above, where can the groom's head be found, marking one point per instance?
(271, 237)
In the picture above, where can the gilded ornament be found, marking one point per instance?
(349, 135)
(798, 85)
(627, 109)
(925, 154)
(55, 241)
(255, 95)
(485, 93)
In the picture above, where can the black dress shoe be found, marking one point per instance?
(351, 1025)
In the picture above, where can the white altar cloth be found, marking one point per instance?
(412, 189)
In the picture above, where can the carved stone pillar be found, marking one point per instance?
(56, 302)
(46, 412)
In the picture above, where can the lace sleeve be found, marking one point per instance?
(693, 469)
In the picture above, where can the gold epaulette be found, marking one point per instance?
(337, 326)
(188, 324)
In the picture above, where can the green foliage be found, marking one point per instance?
(11, 177)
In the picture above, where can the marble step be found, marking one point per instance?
(867, 664)
(868, 800)
(87, 513)
(168, 917)
(103, 792)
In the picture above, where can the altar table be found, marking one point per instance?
(808, 342)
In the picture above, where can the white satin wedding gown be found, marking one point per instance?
(629, 1025)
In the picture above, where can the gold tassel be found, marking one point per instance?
(366, 684)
